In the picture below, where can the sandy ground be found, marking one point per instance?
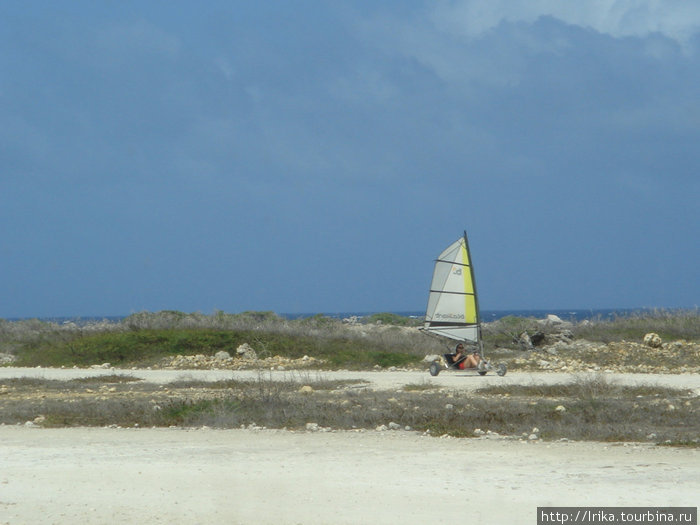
(106, 475)
(101, 475)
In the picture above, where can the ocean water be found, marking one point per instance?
(494, 315)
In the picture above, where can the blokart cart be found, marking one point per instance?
(448, 362)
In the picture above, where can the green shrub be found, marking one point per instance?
(144, 347)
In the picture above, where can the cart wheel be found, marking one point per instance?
(482, 372)
(502, 369)
(434, 368)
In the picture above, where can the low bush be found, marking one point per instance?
(671, 325)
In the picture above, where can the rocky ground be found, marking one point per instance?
(203, 362)
(561, 356)
(573, 356)
(621, 357)
(551, 347)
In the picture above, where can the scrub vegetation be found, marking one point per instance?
(144, 339)
(380, 340)
(590, 408)
(670, 325)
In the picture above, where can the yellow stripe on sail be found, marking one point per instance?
(469, 298)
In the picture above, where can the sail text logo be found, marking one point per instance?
(448, 316)
(456, 270)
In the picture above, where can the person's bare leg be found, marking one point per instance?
(472, 361)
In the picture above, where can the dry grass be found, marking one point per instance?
(593, 407)
(671, 325)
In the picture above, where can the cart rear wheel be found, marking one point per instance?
(434, 368)
(482, 372)
(501, 370)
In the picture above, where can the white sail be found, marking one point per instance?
(453, 308)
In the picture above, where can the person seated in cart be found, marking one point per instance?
(461, 360)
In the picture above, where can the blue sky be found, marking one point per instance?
(316, 157)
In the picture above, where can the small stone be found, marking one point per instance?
(306, 389)
(246, 351)
(561, 409)
(524, 341)
(653, 340)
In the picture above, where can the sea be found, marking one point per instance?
(574, 315)
(494, 315)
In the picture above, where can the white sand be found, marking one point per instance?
(381, 380)
(101, 475)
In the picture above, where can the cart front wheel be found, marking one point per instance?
(434, 368)
(502, 369)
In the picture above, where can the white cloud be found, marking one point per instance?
(676, 19)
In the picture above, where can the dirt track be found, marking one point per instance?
(105, 475)
(381, 380)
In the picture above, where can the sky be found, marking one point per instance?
(317, 156)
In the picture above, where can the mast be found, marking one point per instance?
(476, 295)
